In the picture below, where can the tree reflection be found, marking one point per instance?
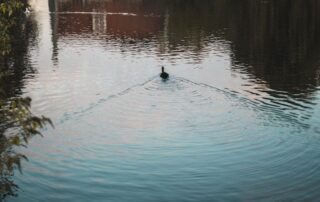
(279, 42)
(17, 123)
(275, 41)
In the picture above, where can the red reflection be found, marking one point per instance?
(134, 19)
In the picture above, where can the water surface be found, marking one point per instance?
(238, 120)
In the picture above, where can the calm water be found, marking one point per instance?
(237, 121)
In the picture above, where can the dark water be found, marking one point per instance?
(238, 120)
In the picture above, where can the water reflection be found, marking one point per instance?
(276, 42)
(273, 44)
(16, 66)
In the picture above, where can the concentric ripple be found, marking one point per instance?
(178, 139)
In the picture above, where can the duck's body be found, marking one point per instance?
(27, 11)
(164, 75)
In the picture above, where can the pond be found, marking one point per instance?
(238, 119)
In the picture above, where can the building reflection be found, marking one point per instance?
(273, 41)
(124, 18)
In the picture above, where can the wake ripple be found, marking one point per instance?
(278, 112)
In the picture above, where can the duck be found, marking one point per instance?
(27, 11)
(164, 75)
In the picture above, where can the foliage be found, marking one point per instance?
(18, 126)
(10, 12)
(17, 123)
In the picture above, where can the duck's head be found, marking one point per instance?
(162, 68)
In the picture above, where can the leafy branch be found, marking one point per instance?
(17, 123)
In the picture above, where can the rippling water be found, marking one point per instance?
(237, 120)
